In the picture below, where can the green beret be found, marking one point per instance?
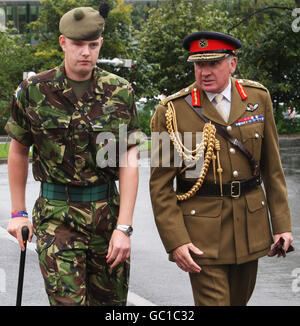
(83, 23)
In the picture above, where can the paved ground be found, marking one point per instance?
(155, 280)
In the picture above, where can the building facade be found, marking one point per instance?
(18, 13)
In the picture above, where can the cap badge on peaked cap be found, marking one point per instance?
(210, 46)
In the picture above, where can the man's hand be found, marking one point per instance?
(288, 239)
(184, 260)
(15, 229)
(118, 249)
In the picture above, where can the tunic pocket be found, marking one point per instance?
(50, 138)
(252, 136)
(202, 217)
(258, 225)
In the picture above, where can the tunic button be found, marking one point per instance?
(229, 128)
(262, 203)
(256, 135)
(235, 174)
(193, 212)
(232, 150)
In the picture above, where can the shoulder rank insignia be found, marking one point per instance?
(251, 107)
(241, 90)
(251, 83)
(176, 95)
(195, 97)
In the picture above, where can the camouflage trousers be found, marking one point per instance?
(72, 242)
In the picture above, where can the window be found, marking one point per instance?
(18, 16)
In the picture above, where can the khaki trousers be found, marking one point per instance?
(224, 285)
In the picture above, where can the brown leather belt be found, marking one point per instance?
(233, 189)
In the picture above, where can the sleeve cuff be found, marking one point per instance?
(18, 133)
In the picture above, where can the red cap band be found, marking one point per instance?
(210, 45)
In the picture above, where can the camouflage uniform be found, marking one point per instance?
(73, 236)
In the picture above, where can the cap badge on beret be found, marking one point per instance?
(210, 46)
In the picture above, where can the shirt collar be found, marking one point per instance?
(60, 80)
(226, 93)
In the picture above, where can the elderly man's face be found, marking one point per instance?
(213, 76)
(80, 56)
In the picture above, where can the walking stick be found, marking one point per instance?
(25, 232)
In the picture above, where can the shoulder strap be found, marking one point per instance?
(222, 132)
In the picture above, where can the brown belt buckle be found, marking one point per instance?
(233, 186)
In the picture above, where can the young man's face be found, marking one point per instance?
(213, 76)
(80, 56)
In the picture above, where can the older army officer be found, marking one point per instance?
(215, 225)
(82, 224)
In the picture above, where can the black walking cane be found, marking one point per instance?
(25, 232)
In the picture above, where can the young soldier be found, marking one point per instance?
(81, 223)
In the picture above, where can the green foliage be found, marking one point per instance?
(3, 106)
(4, 150)
(160, 41)
(152, 35)
(15, 56)
(145, 113)
(288, 126)
(270, 51)
(269, 54)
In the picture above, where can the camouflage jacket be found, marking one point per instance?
(64, 130)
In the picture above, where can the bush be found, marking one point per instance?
(3, 120)
(288, 127)
(145, 112)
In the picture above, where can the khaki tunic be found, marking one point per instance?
(227, 230)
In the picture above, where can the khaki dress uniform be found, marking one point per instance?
(230, 231)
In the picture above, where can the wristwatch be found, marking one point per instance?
(127, 229)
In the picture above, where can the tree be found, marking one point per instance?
(160, 41)
(270, 52)
(15, 59)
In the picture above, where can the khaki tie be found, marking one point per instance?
(220, 108)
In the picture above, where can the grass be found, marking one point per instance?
(4, 150)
